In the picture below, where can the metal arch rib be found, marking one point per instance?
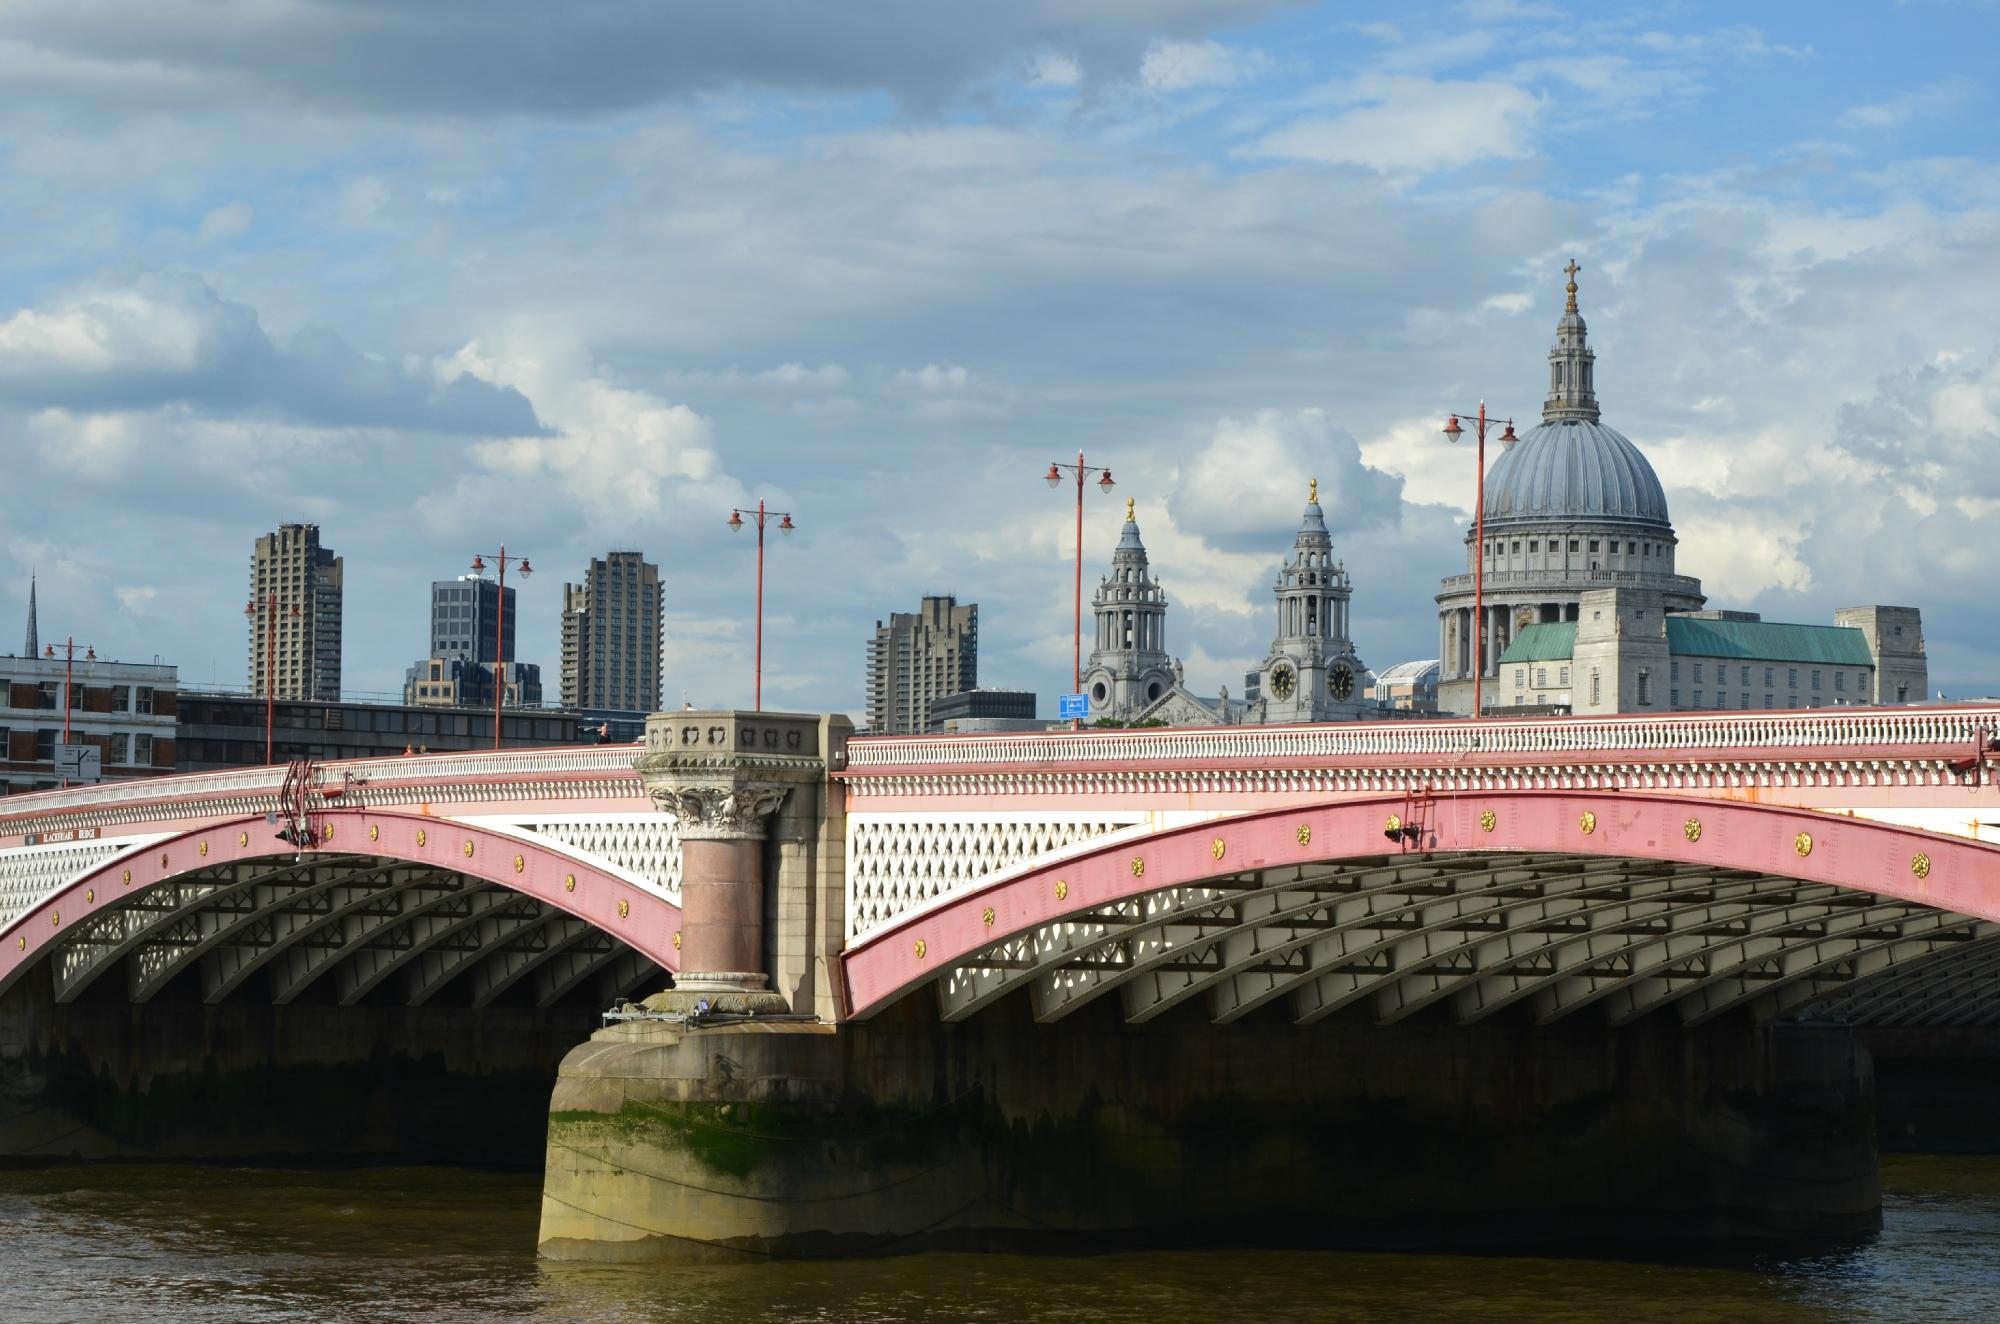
(1687, 952)
(1507, 972)
(1798, 977)
(1938, 986)
(1416, 972)
(217, 920)
(1304, 904)
(275, 933)
(980, 981)
(101, 942)
(1386, 911)
(1764, 955)
(585, 958)
(454, 953)
(508, 966)
(1318, 991)
(311, 955)
(1873, 995)
(1638, 891)
(394, 945)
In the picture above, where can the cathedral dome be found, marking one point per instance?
(1574, 468)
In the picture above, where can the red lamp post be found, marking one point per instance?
(500, 559)
(69, 677)
(271, 607)
(1453, 432)
(1054, 478)
(785, 525)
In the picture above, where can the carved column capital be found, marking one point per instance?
(717, 810)
(723, 774)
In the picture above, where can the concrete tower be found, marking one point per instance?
(305, 578)
(918, 658)
(1312, 674)
(1129, 667)
(612, 635)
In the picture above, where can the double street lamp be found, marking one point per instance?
(1054, 478)
(69, 677)
(500, 559)
(270, 607)
(759, 516)
(1453, 432)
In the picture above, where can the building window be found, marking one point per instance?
(1535, 545)
(1746, 681)
(1593, 544)
(1674, 669)
(1697, 698)
(1697, 680)
(1815, 680)
(1768, 701)
(47, 695)
(1541, 678)
(1745, 705)
(45, 746)
(121, 748)
(1902, 691)
(1572, 544)
(1791, 677)
(142, 700)
(142, 749)
(1520, 675)
(121, 698)
(1673, 698)
(1768, 671)
(1595, 694)
(1562, 675)
(1840, 680)
(1645, 686)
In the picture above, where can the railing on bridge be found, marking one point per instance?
(1852, 732)
(269, 781)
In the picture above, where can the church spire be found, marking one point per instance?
(1572, 388)
(34, 635)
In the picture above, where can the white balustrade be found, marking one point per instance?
(1784, 735)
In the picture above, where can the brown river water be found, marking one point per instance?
(165, 1243)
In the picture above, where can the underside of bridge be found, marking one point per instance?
(1466, 935)
(303, 1005)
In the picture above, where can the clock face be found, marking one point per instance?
(1340, 682)
(1282, 681)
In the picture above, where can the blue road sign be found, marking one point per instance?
(1072, 705)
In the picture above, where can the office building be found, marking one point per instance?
(918, 658)
(295, 602)
(612, 627)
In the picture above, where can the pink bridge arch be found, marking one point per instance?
(1923, 869)
(647, 923)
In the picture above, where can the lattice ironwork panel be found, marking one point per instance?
(896, 862)
(29, 874)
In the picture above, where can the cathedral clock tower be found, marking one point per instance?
(1313, 674)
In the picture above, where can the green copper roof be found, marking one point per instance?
(1762, 641)
(1555, 640)
(1767, 641)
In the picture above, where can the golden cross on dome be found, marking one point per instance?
(1572, 269)
(1128, 510)
(1313, 496)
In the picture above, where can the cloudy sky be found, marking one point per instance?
(584, 276)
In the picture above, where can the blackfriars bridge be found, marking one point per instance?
(1042, 961)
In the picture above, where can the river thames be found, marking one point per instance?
(169, 1243)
